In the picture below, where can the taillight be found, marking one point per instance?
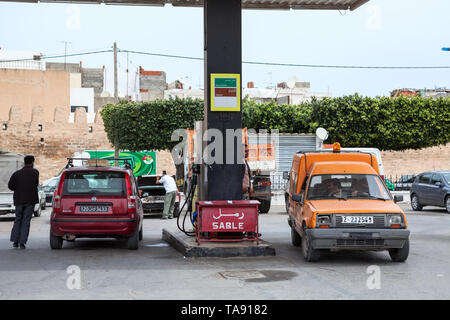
(179, 197)
(131, 199)
(264, 183)
(382, 178)
(57, 195)
(131, 204)
(56, 202)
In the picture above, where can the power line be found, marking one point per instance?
(293, 64)
(162, 55)
(343, 66)
(60, 56)
(81, 51)
(323, 66)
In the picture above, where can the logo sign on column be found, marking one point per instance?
(225, 92)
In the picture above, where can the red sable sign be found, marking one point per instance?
(227, 216)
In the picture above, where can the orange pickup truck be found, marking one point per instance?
(337, 201)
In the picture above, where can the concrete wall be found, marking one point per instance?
(75, 80)
(71, 67)
(151, 95)
(92, 78)
(81, 77)
(99, 102)
(151, 84)
(31, 88)
(398, 163)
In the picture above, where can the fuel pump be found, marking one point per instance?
(189, 201)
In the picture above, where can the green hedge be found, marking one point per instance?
(384, 123)
(149, 125)
(356, 121)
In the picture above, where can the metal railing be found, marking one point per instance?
(395, 182)
(277, 181)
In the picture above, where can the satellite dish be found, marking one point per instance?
(322, 134)
(291, 82)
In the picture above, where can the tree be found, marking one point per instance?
(149, 125)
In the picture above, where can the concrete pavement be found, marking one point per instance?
(107, 270)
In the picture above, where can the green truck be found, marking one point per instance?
(142, 162)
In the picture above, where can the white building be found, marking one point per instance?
(290, 92)
(82, 98)
(183, 94)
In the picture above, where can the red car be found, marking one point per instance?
(96, 202)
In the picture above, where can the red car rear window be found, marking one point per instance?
(94, 183)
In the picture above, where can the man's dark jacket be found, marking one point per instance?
(24, 183)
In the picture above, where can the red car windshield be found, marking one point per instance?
(105, 183)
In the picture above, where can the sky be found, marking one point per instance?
(380, 33)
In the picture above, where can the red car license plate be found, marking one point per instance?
(94, 209)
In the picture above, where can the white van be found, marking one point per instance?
(374, 151)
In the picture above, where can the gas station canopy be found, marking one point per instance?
(246, 4)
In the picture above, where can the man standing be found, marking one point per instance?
(171, 194)
(24, 183)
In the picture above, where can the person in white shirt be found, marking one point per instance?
(171, 194)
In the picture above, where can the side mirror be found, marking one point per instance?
(144, 195)
(438, 183)
(297, 197)
(285, 175)
(398, 198)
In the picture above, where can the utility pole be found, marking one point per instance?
(116, 93)
(127, 75)
(116, 100)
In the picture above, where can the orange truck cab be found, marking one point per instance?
(338, 201)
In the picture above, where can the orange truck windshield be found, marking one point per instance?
(347, 186)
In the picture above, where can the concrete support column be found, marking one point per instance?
(223, 55)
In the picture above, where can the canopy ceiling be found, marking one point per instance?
(246, 4)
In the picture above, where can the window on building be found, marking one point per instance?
(73, 108)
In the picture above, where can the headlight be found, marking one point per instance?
(395, 220)
(323, 220)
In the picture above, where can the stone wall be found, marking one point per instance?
(397, 163)
(29, 88)
(52, 142)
